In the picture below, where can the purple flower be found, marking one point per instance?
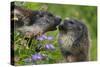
(37, 56)
(40, 38)
(50, 38)
(49, 47)
(60, 41)
(27, 60)
(43, 37)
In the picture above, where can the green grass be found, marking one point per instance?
(88, 14)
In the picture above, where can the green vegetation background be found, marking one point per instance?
(88, 14)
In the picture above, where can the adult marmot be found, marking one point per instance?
(74, 41)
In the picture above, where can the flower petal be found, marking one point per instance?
(50, 38)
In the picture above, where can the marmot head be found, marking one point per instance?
(34, 22)
(72, 25)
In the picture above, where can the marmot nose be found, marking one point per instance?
(61, 27)
(58, 19)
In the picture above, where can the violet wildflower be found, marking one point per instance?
(41, 38)
(44, 36)
(49, 47)
(50, 38)
(37, 56)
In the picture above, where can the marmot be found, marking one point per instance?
(74, 41)
(32, 22)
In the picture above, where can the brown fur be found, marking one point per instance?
(75, 43)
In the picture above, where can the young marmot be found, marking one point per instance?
(74, 41)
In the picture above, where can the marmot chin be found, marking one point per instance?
(74, 41)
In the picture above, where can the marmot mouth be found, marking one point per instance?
(61, 27)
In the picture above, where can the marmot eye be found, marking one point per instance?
(71, 22)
